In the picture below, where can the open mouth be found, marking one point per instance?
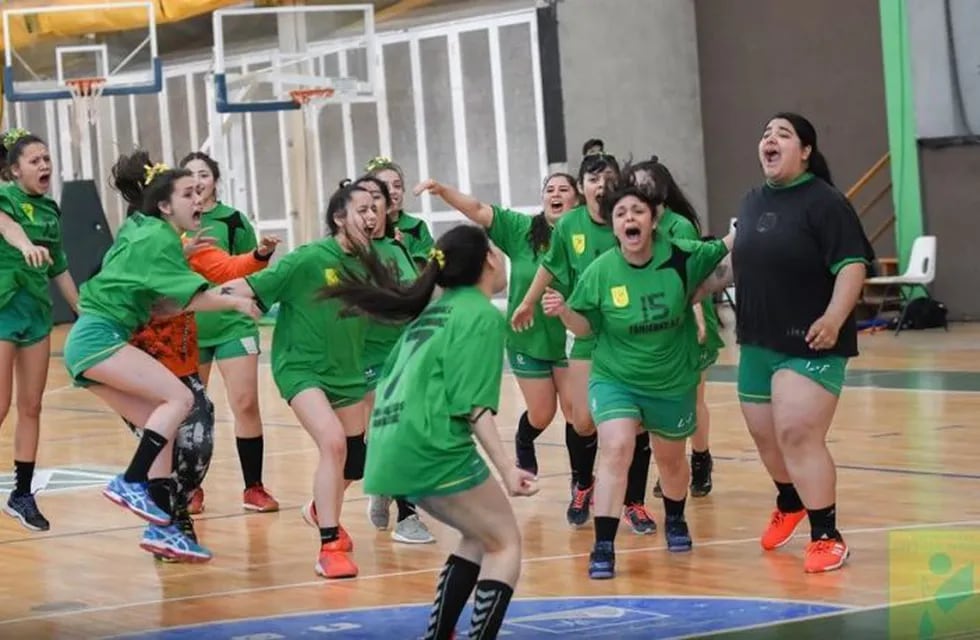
(44, 179)
(632, 233)
(556, 206)
(771, 155)
(196, 216)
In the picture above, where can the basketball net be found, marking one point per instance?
(311, 101)
(85, 93)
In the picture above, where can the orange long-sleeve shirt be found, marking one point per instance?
(173, 340)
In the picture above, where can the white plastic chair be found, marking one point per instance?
(919, 274)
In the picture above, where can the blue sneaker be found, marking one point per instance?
(171, 543)
(602, 561)
(135, 497)
(677, 535)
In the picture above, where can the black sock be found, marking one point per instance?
(405, 509)
(250, 454)
(162, 492)
(823, 523)
(329, 534)
(150, 446)
(456, 583)
(605, 528)
(527, 432)
(700, 455)
(489, 609)
(25, 475)
(582, 451)
(570, 439)
(639, 471)
(788, 500)
(674, 509)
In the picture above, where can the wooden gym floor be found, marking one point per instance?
(906, 439)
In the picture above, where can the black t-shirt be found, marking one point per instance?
(790, 243)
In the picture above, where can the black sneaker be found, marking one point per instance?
(24, 508)
(677, 534)
(701, 467)
(579, 507)
(526, 457)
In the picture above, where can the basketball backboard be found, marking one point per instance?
(48, 48)
(262, 54)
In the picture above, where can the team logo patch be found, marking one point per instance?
(331, 276)
(578, 243)
(620, 296)
(28, 210)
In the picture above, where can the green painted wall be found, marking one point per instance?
(900, 107)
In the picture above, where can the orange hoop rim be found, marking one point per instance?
(305, 96)
(85, 86)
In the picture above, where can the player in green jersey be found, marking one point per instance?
(143, 273)
(537, 356)
(439, 389)
(578, 238)
(31, 256)
(380, 340)
(407, 229)
(679, 220)
(635, 300)
(318, 363)
(800, 262)
(231, 340)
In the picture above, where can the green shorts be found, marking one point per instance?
(671, 417)
(291, 383)
(92, 339)
(525, 366)
(372, 375)
(582, 348)
(24, 320)
(707, 358)
(413, 472)
(247, 346)
(756, 366)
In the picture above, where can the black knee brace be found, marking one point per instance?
(356, 453)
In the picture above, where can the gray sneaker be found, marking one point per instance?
(411, 530)
(379, 511)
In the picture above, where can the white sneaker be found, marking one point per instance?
(379, 511)
(412, 530)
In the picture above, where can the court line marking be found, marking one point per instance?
(396, 574)
(845, 608)
(847, 611)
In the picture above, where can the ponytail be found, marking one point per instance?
(817, 165)
(456, 261)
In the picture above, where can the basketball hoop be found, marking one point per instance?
(84, 95)
(311, 100)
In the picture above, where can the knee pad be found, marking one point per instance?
(356, 454)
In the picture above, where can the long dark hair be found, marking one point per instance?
(14, 142)
(665, 188)
(144, 184)
(817, 164)
(456, 261)
(539, 236)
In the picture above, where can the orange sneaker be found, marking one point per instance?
(334, 562)
(782, 526)
(344, 541)
(256, 498)
(825, 555)
(196, 504)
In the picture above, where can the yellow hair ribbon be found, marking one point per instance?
(377, 163)
(153, 172)
(13, 135)
(438, 256)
